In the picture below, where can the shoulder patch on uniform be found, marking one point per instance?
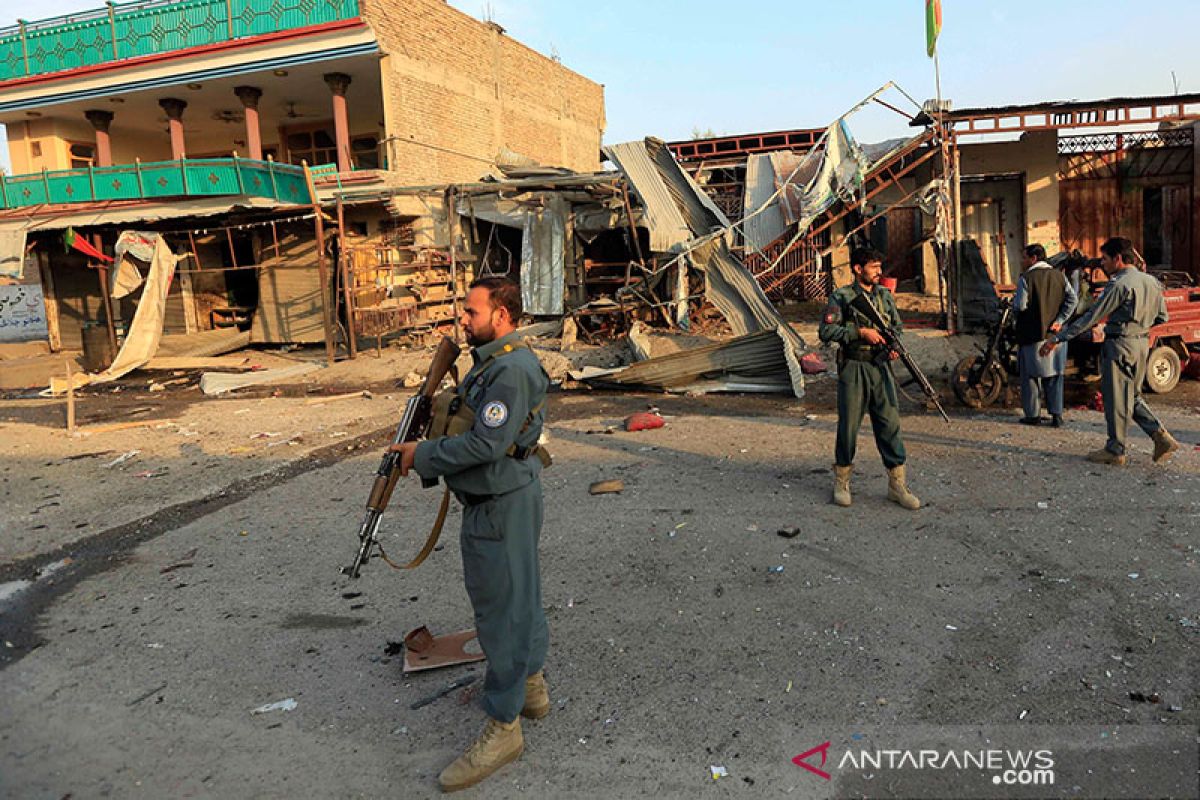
(494, 414)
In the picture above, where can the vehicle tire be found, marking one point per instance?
(1162, 370)
(975, 388)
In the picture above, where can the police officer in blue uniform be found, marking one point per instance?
(494, 469)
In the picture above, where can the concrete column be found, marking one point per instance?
(100, 121)
(338, 83)
(249, 95)
(174, 108)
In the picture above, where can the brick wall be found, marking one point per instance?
(456, 91)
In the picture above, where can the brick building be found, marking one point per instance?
(190, 118)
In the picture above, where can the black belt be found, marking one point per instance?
(860, 355)
(1120, 335)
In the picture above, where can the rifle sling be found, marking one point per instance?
(430, 541)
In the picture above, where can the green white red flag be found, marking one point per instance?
(933, 25)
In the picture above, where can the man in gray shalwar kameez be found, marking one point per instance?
(1132, 303)
(1044, 301)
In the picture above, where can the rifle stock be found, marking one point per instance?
(892, 341)
(414, 424)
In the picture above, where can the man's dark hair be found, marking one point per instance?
(503, 293)
(1036, 252)
(1119, 246)
(865, 255)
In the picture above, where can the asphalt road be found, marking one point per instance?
(1035, 603)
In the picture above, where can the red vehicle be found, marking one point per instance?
(1172, 343)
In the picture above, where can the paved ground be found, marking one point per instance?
(1030, 604)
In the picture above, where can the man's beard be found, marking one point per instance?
(478, 338)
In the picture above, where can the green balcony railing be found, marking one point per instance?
(192, 177)
(147, 27)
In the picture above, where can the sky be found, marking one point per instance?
(670, 67)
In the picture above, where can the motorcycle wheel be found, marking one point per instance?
(973, 386)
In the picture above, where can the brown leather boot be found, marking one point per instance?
(500, 743)
(537, 697)
(1106, 456)
(841, 484)
(898, 491)
(1164, 446)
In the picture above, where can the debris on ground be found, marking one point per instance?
(788, 533)
(121, 459)
(424, 651)
(465, 680)
(718, 772)
(615, 486)
(644, 421)
(281, 705)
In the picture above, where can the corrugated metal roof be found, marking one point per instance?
(669, 230)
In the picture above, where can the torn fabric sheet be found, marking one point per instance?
(146, 328)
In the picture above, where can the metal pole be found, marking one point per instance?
(106, 296)
(112, 25)
(451, 221)
(24, 45)
(322, 267)
(344, 276)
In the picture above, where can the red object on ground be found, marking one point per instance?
(811, 364)
(1097, 401)
(644, 421)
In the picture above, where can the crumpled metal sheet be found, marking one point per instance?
(543, 254)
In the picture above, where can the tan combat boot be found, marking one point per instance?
(1106, 456)
(898, 491)
(500, 743)
(537, 697)
(1164, 446)
(841, 485)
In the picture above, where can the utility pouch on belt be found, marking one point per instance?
(453, 416)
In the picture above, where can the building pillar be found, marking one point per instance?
(249, 95)
(174, 108)
(100, 121)
(338, 83)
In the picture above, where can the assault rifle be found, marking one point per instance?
(413, 426)
(892, 343)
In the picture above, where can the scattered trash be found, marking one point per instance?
(150, 693)
(183, 563)
(465, 680)
(151, 473)
(1141, 697)
(401, 730)
(423, 650)
(1188, 623)
(1175, 709)
(788, 533)
(608, 430)
(333, 398)
(1133, 576)
(393, 648)
(789, 688)
(282, 705)
(1042, 504)
(752, 528)
(412, 380)
(154, 646)
(951, 628)
(121, 459)
(264, 435)
(607, 487)
(776, 569)
(1023, 714)
(644, 421)
(811, 364)
(220, 382)
(718, 772)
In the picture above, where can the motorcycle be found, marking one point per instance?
(978, 381)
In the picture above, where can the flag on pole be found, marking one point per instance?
(933, 25)
(77, 242)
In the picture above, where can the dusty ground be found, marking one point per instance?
(1028, 605)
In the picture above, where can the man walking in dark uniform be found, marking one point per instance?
(1132, 303)
(494, 469)
(865, 380)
